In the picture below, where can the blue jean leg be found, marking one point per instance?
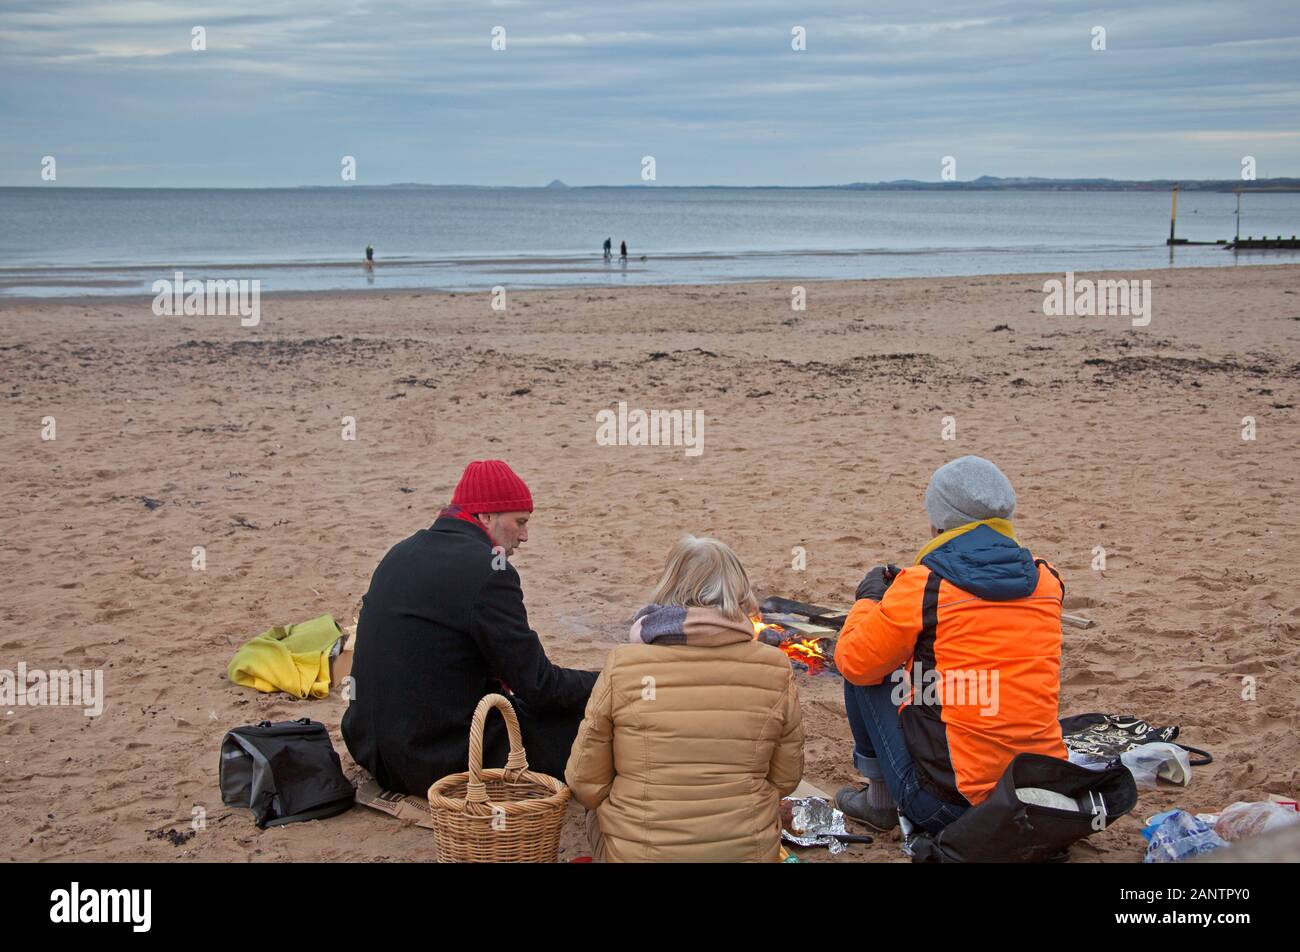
(881, 754)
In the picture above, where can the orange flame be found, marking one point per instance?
(805, 650)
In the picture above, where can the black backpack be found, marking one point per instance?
(283, 772)
(1005, 829)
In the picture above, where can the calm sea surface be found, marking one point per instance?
(65, 241)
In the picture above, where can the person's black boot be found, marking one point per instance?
(856, 802)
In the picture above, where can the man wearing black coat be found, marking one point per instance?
(442, 625)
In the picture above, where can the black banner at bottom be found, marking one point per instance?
(329, 902)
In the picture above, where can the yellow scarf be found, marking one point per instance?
(1002, 526)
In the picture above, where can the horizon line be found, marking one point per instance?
(989, 182)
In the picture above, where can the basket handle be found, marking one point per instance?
(516, 763)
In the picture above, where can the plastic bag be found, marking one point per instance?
(1083, 758)
(1175, 835)
(1149, 762)
(1241, 820)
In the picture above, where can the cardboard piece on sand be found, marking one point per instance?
(405, 806)
(806, 789)
(341, 663)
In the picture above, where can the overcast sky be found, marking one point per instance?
(583, 91)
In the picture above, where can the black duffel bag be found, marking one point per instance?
(283, 772)
(1058, 803)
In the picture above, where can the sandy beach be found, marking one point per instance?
(822, 427)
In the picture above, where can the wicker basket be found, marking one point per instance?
(503, 815)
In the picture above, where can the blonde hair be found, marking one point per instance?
(704, 572)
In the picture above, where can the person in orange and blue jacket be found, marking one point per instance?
(952, 665)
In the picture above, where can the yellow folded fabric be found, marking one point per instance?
(290, 658)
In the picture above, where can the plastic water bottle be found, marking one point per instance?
(1176, 835)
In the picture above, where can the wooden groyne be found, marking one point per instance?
(1238, 243)
(1251, 243)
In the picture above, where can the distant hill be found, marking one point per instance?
(986, 183)
(993, 183)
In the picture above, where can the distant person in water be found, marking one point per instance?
(622, 251)
(609, 244)
(370, 257)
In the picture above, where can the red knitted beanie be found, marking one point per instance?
(489, 485)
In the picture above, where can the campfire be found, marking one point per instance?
(814, 654)
(804, 632)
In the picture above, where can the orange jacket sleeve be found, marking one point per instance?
(878, 637)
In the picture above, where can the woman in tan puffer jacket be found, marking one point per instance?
(692, 733)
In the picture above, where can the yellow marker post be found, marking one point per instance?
(1173, 215)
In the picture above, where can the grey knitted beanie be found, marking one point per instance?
(967, 490)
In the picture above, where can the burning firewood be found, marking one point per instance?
(810, 651)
